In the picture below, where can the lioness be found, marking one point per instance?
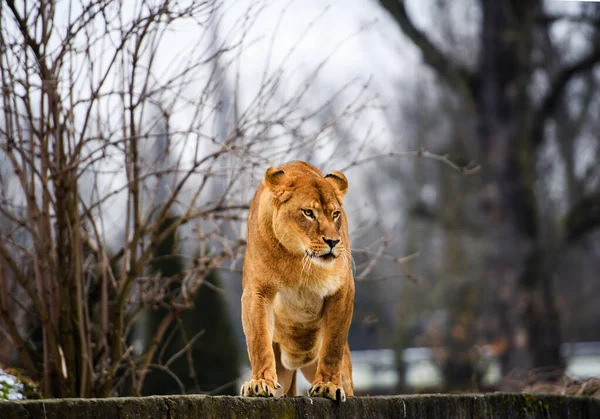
(298, 288)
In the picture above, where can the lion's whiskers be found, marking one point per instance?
(305, 260)
(344, 257)
(349, 258)
(310, 264)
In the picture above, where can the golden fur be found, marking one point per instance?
(298, 288)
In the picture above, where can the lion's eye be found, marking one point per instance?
(309, 213)
(336, 215)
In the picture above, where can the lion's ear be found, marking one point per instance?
(273, 178)
(339, 183)
(275, 182)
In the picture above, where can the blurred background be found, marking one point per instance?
(133, 135)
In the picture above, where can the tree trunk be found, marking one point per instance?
(502, 108)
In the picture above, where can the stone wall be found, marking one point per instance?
(513, 406)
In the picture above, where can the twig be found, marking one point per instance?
(421, 153)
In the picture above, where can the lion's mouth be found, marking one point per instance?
(327, 257)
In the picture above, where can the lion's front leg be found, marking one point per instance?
(337, 317)
(256, 315)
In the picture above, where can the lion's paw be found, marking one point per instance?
(259, 388)
(329, 390)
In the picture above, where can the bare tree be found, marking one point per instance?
(84, 197)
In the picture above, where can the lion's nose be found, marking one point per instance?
(330, 242)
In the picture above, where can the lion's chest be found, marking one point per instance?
(297, 306)
(321, 282)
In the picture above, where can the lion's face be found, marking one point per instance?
(308, 217)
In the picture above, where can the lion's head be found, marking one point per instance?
(308, 218)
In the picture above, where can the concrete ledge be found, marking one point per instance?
(469, 406)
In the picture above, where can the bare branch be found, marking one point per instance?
(556, 91)
(468, 170)
(455, 74)
(548, 19)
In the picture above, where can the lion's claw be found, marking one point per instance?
(259, 388)
(328, 390)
